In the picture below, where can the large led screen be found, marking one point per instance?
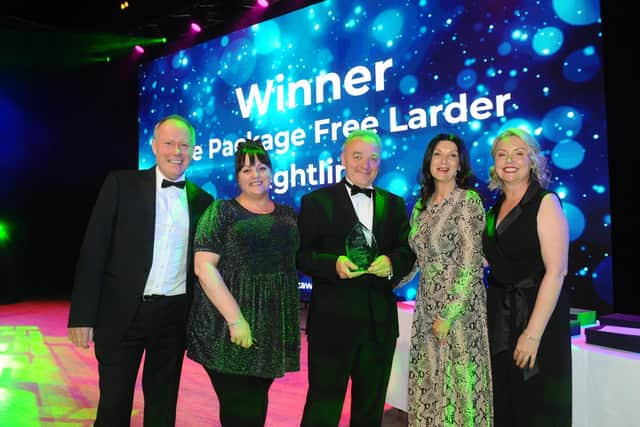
(409, 70)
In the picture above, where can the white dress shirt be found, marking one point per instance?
(168, 275)
(363, 205)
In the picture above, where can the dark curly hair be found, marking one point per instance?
(464, 178)
(254, 149)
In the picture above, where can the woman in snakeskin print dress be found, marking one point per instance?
(449, 368)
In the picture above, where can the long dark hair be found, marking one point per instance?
(464, 177)
(255, 150)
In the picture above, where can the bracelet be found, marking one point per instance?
(237, 322)
(531, 337)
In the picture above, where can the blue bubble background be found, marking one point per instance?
(545, 54)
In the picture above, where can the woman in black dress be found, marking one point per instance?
(244, 325)
(526, 243)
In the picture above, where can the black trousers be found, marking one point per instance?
(367, 363)
(158, 331)
(243, 399)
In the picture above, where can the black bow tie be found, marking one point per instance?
(167, 183)
(355, 190)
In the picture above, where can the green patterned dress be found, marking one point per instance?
(450, 382)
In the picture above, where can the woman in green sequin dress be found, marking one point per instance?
(244, 325)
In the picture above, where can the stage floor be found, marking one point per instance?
(46, 381)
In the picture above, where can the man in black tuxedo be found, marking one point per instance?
(352, 322)
(134, 279)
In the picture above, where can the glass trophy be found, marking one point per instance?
(361, 246)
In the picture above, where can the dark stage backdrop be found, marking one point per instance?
(408, 69)
(62, 130)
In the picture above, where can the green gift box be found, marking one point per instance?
(584, 316)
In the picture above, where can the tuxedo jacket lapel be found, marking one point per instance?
(148, 195)
(194, 212)
(379, 205)
(346, 205)
(517, 210)
(146, 218)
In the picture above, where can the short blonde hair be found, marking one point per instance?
(539, 169)
(178, 118)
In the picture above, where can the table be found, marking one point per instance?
(399, 380)
(605, 380)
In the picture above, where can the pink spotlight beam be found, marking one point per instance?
(138, 48)
(195, 27)
(263, 3)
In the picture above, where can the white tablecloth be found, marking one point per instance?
(606, 382)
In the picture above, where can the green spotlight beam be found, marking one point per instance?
(5, 234)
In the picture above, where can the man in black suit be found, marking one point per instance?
(352, 322)
(134, 279)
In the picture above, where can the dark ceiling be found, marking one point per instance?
(71, 32)
(142, 17)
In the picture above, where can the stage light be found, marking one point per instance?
(138, 49)
(263, 3)
(5, 233)
(124, 5)
(195, 27)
